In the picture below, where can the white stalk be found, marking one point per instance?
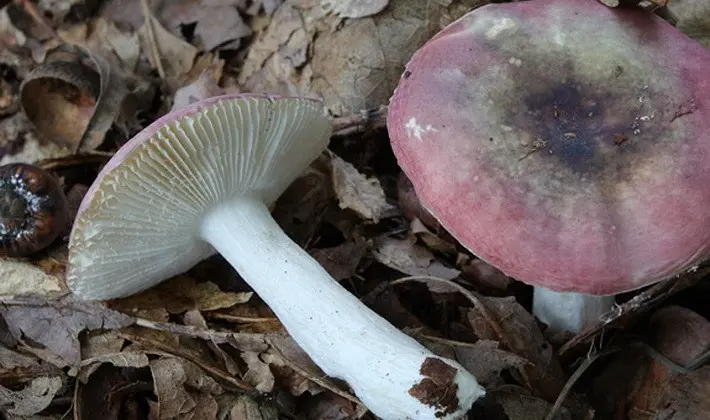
(566, 311)
(342, 335)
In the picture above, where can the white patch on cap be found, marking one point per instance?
(515, 61)
(499, 26)
(416, 130)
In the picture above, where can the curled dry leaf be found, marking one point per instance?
(167, 53)
(354, 8)
(245, 408)
(59, 98)
(357, 192)
(517, 330)
(110, 392)
(658, 391)
(56, 324)
(32, 399)
(340, 261)
(258, 372)
(406, 256)
(23, 278)
(357, 65)
(486, 361)
(178, 384)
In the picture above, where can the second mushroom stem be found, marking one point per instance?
(567, 311)
(343, 336)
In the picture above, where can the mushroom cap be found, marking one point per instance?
(33, 209)
(564, 142)
(139, 223)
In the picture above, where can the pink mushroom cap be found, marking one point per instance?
(564, 142)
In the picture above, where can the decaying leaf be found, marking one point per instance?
(32, 399)
(406, 256)
(110, 392)
(10, 359)
(180, 294)
(358, 65)
(518, 406)
(258, 372)
(204, 87)
(518, 332)
(245, 408)
(340, 261)
(217, 21)
(486, 361)
(176, 382)
(56, 324)
(357, 192)
(354, 8)
(165, 51)
(22, 278)
(658, 391)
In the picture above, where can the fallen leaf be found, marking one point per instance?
(258, 372)
(22, 278)
(354, 8)
(59, 98)
(166, 51)
(358, 64)
(406, 256)
(56, 324)
(217, 22)
(110, 392)
(245, 408)
(485, 360)
(10, 359)
(204, 87)
(340, 261)
(518, 406)
(517, 330)
(682, 336)
(97, 343)
(32, 399)
(173, 378)
(357, 192)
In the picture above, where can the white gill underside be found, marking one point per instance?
(143, 224)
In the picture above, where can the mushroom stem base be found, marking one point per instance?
(566, 311)
(394, 375)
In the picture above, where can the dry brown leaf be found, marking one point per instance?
(56, 324)
(274, 60)
(406, 256)
(173, 379)
(246, 408)
(521, 336)
(258, 373)
(354, 8)
(32, 399)
(97, 343)
(180, 294)
(340, 261)
(430, 239)
(486, 361)
(174, 55)
(111, 390)
(217, 22)
(357, 192)
(120, 359)
(302, 207)
(358, 65)
(518, 406)
(10, 359)
(482, 274)
(22, 278)
(682, 336)
(204, 87)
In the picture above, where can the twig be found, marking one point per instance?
(154, 51)
(361, 122)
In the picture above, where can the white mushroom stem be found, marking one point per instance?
(566, 311)
(342, 335)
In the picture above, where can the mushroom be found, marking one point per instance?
(33, 209)
(564, 142)
(198, 181)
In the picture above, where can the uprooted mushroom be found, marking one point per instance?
(199, 181)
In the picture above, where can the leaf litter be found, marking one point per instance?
(202, 345)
